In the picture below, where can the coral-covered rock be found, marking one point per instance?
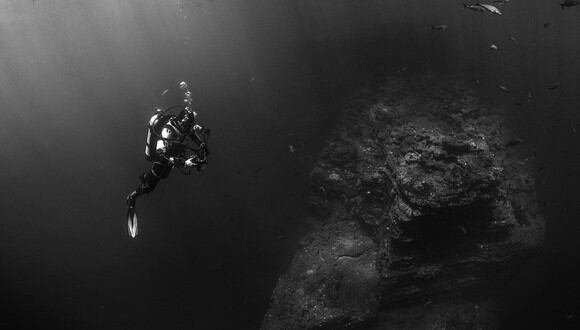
(420, 177)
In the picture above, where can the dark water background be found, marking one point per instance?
(79, 80)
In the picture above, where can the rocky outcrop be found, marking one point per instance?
(419, 194)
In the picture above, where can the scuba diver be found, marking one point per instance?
(168, 146)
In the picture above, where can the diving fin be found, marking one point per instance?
(132, 221)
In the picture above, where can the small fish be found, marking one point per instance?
(569, 3)
(475, 7)
(513, 38)
(165, 91)
(554, 86)
(291, 148)
(547, 24)
(573, 129)
(530, 97)
(252, 79)
(491, 9)
(503, 89)
(493, 47)
(441, 27)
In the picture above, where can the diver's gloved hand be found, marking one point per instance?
(193, 161)
(190, 162)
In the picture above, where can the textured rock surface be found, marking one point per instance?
(332, 282)
(419, 178)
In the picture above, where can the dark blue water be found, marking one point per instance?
(79, 80)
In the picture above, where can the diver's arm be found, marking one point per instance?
(161, 149)
(194, 136)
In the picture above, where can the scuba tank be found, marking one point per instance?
(153, 133)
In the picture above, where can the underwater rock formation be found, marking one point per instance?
(332, 282)
(419, 194)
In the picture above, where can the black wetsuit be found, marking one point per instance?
(159, 170)
(173, 137)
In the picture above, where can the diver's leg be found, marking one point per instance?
(149, 181)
